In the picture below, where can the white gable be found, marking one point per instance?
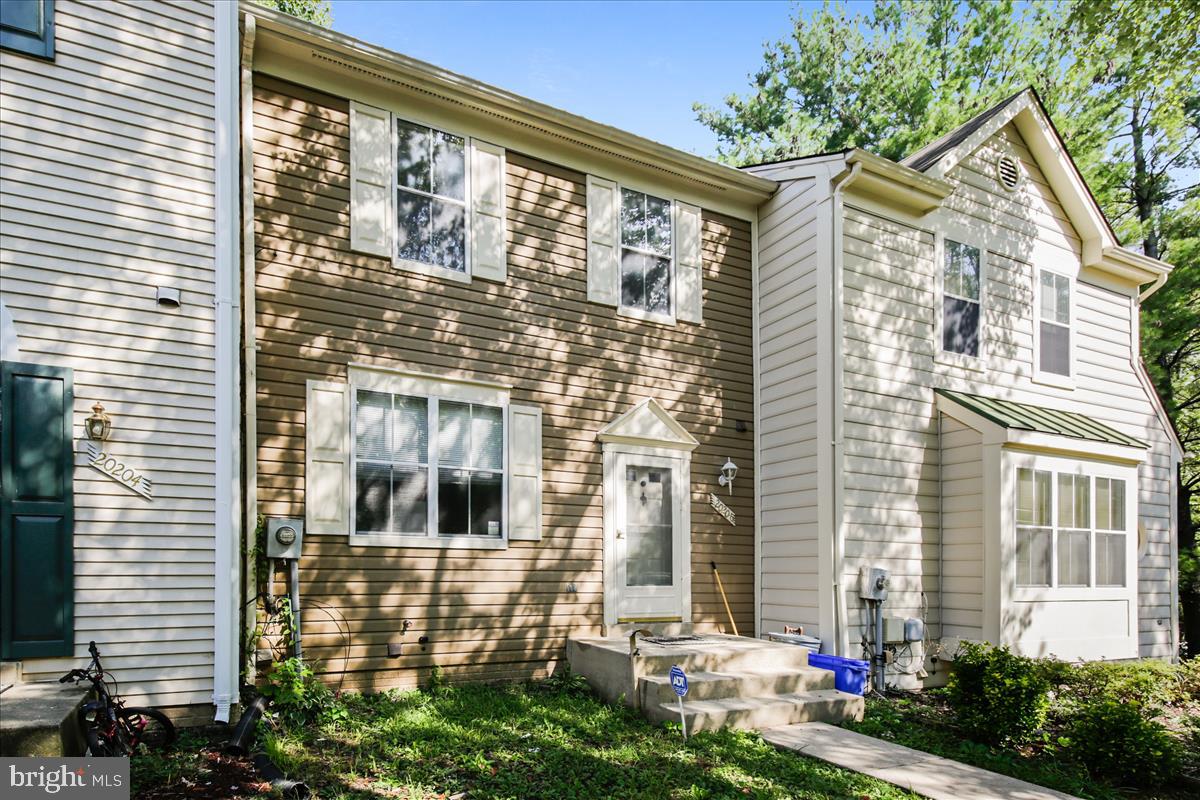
(648, 423)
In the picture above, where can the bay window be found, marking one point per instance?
(1082, 543)
(427, 466)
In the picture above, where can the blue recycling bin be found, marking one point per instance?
(849, 674)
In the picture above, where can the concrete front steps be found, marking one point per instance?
(733, 682)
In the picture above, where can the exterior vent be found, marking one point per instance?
(1008, 171)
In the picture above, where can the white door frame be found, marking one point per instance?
(647, 431)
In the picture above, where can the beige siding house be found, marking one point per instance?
(951, 390)
(115, 281)
(500, 357)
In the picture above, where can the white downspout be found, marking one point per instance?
(839, 184)
(226, 555)
(1152, 288)
(249, 347)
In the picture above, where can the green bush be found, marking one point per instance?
(296, 696)
(1115, 742)
(998, 696)
(1148, 684)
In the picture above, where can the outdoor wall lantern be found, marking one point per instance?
(99, 424)
(728, 473)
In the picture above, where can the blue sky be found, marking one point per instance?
(637, 66)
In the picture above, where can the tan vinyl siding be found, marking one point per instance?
(962, 531)
(107, 169)
(790, 396)
(890, 367)
(489, 614)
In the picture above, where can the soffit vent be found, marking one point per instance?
(1008, 171)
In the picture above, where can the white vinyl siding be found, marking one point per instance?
(890, 369)
(107, 192)
(790, 259)
(962, 509)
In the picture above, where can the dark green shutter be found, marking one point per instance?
(37, 512)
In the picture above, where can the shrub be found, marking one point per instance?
(998, 696)
(1114, 741)
(1148, 684)
(296, 695)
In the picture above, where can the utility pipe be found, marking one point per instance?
(294, 594)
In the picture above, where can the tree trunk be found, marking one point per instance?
(1143, 185)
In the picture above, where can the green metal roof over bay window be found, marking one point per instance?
(1023, 416)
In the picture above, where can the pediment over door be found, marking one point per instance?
(650, 425)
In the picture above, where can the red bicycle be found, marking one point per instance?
(109, 726)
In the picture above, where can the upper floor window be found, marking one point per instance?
(431, 197)
(27, 26)
(1054, 324)
(962, 279)
(646, 237)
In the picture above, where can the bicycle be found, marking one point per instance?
(109, 727)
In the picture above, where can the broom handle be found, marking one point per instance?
(724, 599)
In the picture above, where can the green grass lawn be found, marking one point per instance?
(507, 742)
(925, 722)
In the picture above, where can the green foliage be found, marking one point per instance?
(998, 696)
(1118, 744)
(317, 12)
(297, 696)
(1148, 685)
(566, 681)
(525, 742)
(437, 684)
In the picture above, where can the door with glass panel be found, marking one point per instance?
(649, 538)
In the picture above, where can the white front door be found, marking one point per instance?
(648, 543)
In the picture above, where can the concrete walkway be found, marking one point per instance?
(929, 775)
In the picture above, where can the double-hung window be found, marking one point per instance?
(1054, 325)
(428, 466)
(1070, 530)
(962, 281)
(646, 254)
(431, 197)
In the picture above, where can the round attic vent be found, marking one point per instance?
(1008, 171)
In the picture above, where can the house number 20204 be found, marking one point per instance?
(120, 472)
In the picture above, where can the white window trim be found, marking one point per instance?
(1051, 378)
(433, 270)
(941, 355)
(635, 313)
(459, 390)
(1092, 470)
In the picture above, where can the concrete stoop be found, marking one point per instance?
(39, 719)
(733, 682)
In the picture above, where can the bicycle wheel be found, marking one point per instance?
(147, 728)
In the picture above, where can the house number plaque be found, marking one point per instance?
(722, 509)
(119, 471)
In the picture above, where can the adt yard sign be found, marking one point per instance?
(679, 684)
(678, 681)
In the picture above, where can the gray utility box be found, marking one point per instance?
(872, 583)
(284, 537)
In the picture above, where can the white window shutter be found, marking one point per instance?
(603, 241)
(489, 257)
(525, 473)
(689, 269)
(370, 180)
(327, 458)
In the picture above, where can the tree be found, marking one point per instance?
(1120, 80)
(317, 12)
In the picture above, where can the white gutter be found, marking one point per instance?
(226, 551)
(839, 184)
(1152, 288)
